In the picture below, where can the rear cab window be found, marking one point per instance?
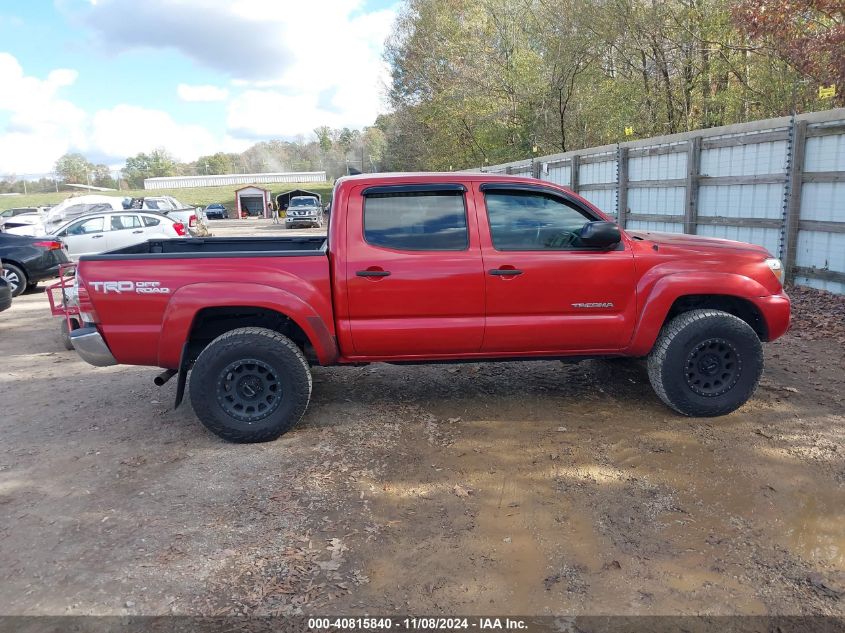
(416, 218)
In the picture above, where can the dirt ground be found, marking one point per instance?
(526, 488)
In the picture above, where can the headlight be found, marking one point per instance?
(776, 267)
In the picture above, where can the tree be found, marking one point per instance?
(808, 34)
(156, 164)
(73, 168)
(219, 163)
(477, 82)
(324, 138)
(101, 176)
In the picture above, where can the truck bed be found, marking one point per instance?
(218, 247)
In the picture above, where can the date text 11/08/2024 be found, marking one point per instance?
(416, 623)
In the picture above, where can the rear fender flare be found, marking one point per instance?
(187, 301)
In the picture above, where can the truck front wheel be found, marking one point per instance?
(250, 385)
(705, 363)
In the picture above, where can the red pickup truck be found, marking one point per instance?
(431, 268)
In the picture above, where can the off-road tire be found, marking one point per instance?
(19, 275)
(215, 390)
(705, 363)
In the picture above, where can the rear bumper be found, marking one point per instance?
(46, 266)
(91, 347)
(776, 311)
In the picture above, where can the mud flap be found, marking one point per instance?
(182, 378)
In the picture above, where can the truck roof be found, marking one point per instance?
(435, 177)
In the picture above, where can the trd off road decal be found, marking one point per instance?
(137, 287)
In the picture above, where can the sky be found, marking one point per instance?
(112, 78)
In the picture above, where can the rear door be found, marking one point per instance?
(414, 276)
(126, 230)
(545, 293)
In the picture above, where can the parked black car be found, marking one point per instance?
(216, 211)
(28, 260)
(5, 291)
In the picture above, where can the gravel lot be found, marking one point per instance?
(527, 488)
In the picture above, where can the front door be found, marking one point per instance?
(85, 237)
(545, 292)
(414, 276)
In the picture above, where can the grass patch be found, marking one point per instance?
(194, 196)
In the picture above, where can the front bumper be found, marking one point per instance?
(91, 347)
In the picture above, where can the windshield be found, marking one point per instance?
(303, 202)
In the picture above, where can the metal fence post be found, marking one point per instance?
(574, 166)
(622, 186)
(794, 180)
(691, 198)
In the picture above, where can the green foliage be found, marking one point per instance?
(477, 82)
(73, 168)
(156, 164)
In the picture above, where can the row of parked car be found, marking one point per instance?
(34, 241)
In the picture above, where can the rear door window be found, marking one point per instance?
(122, 222)
(416, 220)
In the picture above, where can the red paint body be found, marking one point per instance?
(439, 305)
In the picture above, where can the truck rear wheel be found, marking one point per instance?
(705, 363)
(250, 385)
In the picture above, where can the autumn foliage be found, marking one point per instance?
(809, 34)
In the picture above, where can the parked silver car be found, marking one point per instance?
(304, 210)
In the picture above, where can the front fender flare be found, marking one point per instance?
(666, 290)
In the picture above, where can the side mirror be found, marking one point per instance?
(600, 234)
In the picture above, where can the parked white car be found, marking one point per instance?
(192, 217)
(100, 232)
(24, 224)
(77, 206)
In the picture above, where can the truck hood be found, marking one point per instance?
(695, 242)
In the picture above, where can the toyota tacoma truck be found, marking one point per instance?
(430, 268)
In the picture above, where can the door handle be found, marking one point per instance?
(96, 237)
(373, 273)
(505, 272)
(136, 232)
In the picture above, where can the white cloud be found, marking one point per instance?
(291, 67)
(39, 122)
(217, 34)
(126, 130)
(188, 92)
(298, 64)
(42, 126)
